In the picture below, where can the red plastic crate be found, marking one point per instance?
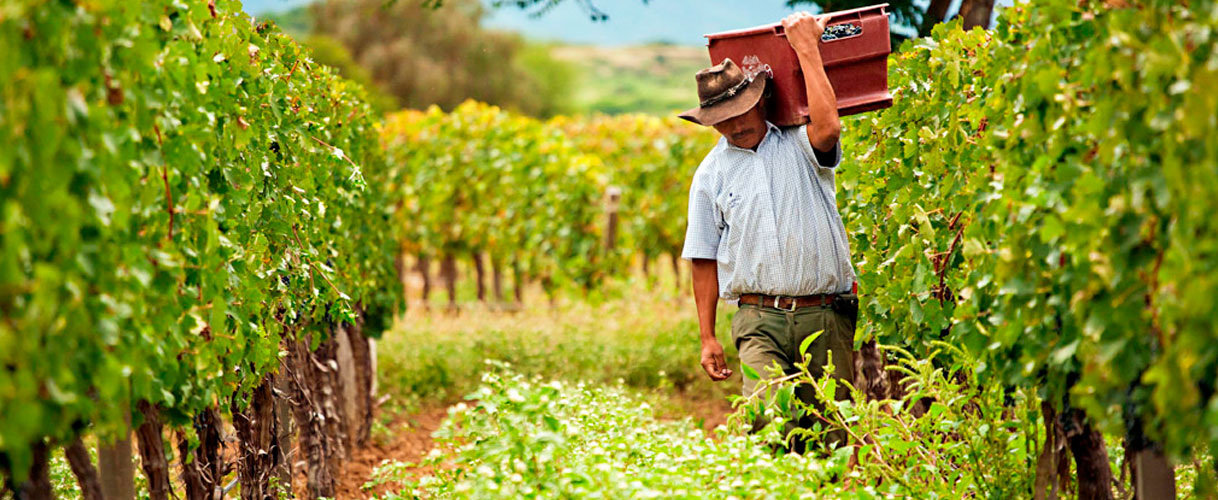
(856, 62)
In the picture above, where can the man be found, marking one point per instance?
(764, 227)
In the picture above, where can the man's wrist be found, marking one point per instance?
(809, 56)
(708, 337)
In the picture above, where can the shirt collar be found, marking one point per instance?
(771, 131)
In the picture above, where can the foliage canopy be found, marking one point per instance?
(1042, 195)
(180, 190)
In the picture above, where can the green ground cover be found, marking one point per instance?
(643, 336)
(575, 399)
(521, 436)
(525, 437)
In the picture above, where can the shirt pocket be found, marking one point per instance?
(732, 205)
(734, 202)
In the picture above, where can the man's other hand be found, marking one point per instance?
(714, 362)
(804, 30)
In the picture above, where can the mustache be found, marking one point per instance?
(743, 133)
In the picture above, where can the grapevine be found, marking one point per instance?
(181, 192)
(1040, 194)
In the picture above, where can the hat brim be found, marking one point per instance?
(730, 108)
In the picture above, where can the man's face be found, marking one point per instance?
(746, 130)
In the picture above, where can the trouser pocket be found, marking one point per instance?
(748, 320)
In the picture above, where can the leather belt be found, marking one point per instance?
(787, 303)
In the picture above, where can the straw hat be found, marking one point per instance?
(725, 91)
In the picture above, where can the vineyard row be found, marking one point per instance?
(197, 220)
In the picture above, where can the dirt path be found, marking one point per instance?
(410, 442)
(709, 413)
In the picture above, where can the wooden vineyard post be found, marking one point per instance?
(284, 426)
(355, 370)
(363, 374)
(346, 396)
(1153, 476)
(116, 469)
(1150, 472)
(614, 198)
(497, 280)
(330, 396)
(372, 384)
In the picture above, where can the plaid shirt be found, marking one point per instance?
(769, 218)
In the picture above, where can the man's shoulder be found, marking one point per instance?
(796, 138)
(792, 135)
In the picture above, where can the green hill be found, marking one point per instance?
(656, 79)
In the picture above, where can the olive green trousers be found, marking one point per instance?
(767, 337)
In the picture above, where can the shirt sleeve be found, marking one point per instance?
(705, 223)
(827, 159)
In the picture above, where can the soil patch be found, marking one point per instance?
(410, 442)
(707, 412)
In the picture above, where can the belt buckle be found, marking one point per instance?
(793, 304)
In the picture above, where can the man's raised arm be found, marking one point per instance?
(803, 33)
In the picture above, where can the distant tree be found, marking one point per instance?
(551, 80)
(332, 53)
(905, 12)
(424, 53)
(541, 7)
